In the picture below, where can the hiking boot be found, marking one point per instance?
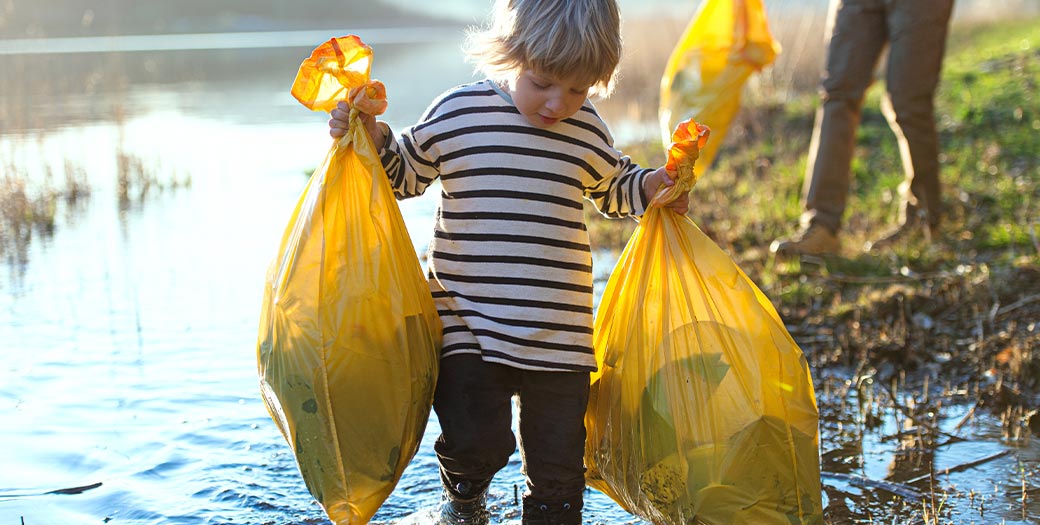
(458, 510)
(814, 240)
(563, 513)
(911, 232)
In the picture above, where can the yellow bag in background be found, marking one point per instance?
(349, 336)
(726, 41)
(702, 409)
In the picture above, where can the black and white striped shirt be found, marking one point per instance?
(510, 263)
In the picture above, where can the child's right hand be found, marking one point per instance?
(369, 100)
(340, 121)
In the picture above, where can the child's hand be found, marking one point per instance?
(340, 121)
(662, 177)
(339, 124)
(369, 100)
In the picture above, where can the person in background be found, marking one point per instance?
(858, 31)
(510, 265)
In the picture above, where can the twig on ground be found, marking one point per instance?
(898, 489)
(1016, 305)
(957, 468)
(967, 417)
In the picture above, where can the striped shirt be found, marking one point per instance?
(510, 263)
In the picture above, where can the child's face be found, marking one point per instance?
(544, 100)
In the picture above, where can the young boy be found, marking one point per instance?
(510, 262)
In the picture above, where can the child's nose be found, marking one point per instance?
(555, 104)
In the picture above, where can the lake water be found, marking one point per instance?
(129, 332)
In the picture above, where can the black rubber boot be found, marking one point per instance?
(558, 513)
(465, 504)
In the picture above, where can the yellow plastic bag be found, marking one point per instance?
(702, 409)
(349, 335)
(726, 41)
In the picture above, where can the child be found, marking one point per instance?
(510, 263)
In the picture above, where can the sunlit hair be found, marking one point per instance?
(576, 40)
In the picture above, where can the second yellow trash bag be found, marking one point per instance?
(725, 43)
(702, 409)
(349, 335)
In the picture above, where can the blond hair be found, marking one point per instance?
(565, 39)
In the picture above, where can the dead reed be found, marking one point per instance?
(138, 178)
(33, 193)
(29, 207)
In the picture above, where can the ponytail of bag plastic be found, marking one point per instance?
(349, 335)
(725, 43)
(702, 409)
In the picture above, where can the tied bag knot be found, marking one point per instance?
(688, 139)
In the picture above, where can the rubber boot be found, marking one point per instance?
(557, 513)
(466, 504)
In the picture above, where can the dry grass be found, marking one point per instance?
(30, 208)
(34, 193)
(138, 178)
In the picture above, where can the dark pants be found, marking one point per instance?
(473, 403)
(914, 32)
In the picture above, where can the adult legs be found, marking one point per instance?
(918, 39)
(857, 35)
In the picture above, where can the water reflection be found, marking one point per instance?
(891, 451)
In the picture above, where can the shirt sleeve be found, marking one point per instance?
(410, 169)
(619, 193)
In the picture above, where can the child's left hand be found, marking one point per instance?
(662, 177)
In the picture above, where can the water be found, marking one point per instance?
(128, 334)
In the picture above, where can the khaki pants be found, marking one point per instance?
(914, 32)
(473, 403)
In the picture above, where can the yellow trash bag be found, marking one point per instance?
(702, 409)
(349, 336)
(726, 41)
